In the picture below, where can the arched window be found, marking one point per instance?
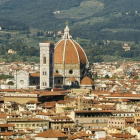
(44, 59)
(43, 72)
(92, 121)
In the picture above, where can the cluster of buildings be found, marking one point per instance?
(58, 99)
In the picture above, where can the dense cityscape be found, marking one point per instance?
(65, 97)
(69, 70)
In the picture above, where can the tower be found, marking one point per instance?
(46, 64)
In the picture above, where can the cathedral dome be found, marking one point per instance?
(68, 51)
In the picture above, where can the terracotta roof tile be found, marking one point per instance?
(57, 75)
(60, 118)
(73, 54)
(71, 79)
(6, 125)
(122, 135)
(33, 102)
(8, 134)
(3, 115)
(35, 74)
(87, 81)
(51, 134)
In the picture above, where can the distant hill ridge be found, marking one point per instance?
(93, 19)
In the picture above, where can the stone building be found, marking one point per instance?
(62, 66)
(26, 80)
(46, 64)
(70, 61)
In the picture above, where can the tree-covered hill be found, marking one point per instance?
(94, 19)
(25, 23)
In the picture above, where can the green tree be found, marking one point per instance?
(10, 83)
(107, 76)
(136, 77)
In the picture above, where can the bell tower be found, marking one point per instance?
(46, 64)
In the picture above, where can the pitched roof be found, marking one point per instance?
(33, 102)
(60, 118)
(6, 125)
(51, 133)
(57, 75)
(118, 135)
(71, 79)
(35, 74)
(7, 134)
(3, 115)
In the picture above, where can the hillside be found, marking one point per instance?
(94, 19)
(92, 23)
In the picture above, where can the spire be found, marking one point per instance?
(66, 32)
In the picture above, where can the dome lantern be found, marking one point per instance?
(66, 32)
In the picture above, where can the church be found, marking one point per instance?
(62, 65)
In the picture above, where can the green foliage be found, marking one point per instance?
(66, 108)
(114, 77)
(107, 76)
(82, 11)
(91, 19)
(136, 77)
(10, 83)
(2, 76)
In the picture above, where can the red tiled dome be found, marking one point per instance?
(87, 81)
(67, 51)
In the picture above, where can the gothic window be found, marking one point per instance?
(44, 59)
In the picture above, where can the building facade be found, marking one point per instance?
(46, 64)
(70, 61)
